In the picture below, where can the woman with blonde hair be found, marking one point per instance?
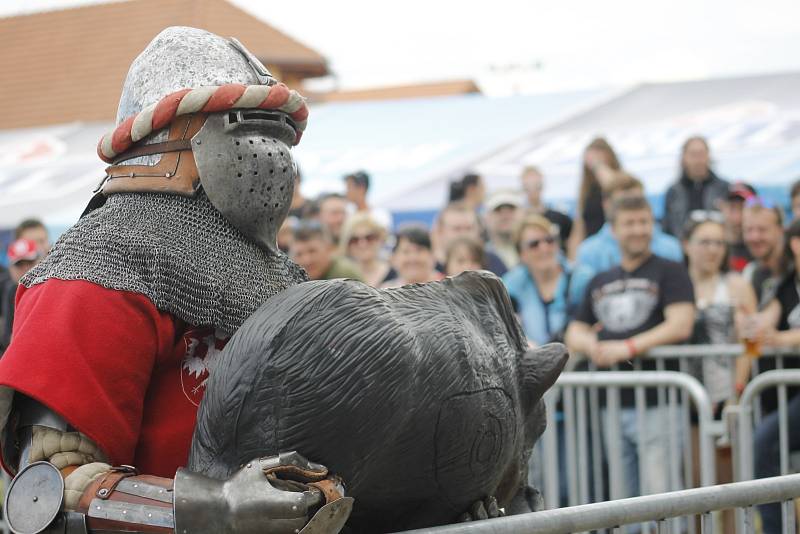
(546, 289)
(362, 241)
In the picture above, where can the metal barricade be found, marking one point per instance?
(662, 509)
(581, 442)
(747, 417)
(746, 413)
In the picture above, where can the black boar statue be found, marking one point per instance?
(425, 399)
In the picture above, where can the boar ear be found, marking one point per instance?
(540, 368)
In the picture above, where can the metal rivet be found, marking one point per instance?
(103, 492)
(169, 175)
(124, 512)
(98, 507)
(197, 141)
(136, 485)
(149, 515)
(294, 507)
(249, 466)
(161, 491)
(35, 499)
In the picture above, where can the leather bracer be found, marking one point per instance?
(277, 494)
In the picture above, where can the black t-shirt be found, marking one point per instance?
(629, 303)
(786, 293)
(764, 284)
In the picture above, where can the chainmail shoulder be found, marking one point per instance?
(179, 252)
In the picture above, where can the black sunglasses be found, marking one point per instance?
(534, 243)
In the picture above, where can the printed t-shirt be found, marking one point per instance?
(628, 303)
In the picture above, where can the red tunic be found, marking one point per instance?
(119, 370)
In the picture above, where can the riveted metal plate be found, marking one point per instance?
(330, 518)
(142, 489)
(139, 514)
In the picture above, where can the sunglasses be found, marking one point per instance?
(708, 243)
(534, 243)
(701, 216)
(756, 200)
(368, 238)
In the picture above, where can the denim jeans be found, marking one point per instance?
(658, 433)
(768, 459)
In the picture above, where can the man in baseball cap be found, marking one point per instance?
(731, 208)
(22, 254)
(503, 212)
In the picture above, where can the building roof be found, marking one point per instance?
(70, 64)
(395, 92)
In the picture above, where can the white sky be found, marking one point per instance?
(575, 43)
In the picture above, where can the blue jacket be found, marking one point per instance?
(541, 323)
(601, 251)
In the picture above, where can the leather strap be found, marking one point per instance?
(330, 489)
(175, 173)
(108, 483)
(156, 148)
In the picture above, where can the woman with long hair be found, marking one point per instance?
(599, 165)
(780, 327)
(724, 301)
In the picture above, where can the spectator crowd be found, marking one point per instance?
(611, 282)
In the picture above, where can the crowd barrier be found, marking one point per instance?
(586, 453)
(575, 466)
(745, 417)
(665, 510)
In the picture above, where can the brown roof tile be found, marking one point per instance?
(68, 65)
(419, 90)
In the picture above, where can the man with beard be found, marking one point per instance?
(644, 302)
(762, 230)
(117, 329)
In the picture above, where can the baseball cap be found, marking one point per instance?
(21, 250)
(503, 198)
(741, 191)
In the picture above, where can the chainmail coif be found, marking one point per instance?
(179, 252)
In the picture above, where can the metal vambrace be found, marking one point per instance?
(284, 494)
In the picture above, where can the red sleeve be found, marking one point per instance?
(87, 353)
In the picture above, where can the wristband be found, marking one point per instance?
(631, 347)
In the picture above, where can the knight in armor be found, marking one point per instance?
(117, 329)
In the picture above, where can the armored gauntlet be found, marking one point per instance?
(284, 494)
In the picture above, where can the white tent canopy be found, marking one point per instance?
(50, 172)
(413, 148)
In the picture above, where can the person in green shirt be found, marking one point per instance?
(313, 249)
